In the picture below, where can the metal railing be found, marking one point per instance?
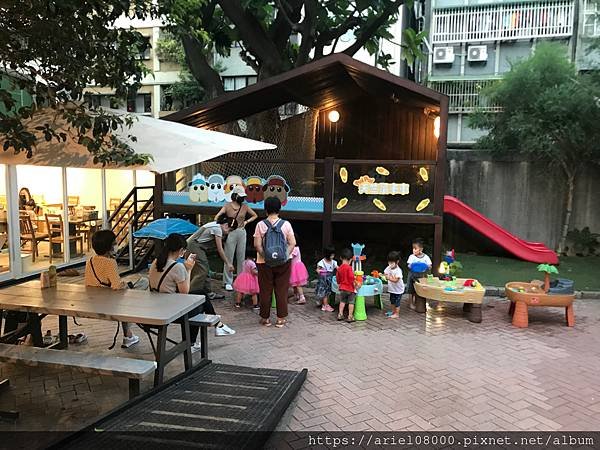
(503, 22)
(464, 95)
(134, 212)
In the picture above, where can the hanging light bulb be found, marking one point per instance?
(333, 116)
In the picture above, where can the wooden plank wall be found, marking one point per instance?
(376, 130)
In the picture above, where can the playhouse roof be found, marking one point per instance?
(324, 83)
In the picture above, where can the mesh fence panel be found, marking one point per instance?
(290, 127)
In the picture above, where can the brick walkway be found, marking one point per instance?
(433, 372)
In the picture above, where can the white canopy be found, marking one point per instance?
(172, 145)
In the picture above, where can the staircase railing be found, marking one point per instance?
(135, 211)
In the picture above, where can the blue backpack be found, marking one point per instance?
(275, 244)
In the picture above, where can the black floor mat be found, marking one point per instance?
(218, 406)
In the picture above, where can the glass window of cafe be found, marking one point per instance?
(41, 217)
(84, 197)
(4, 224)
(59, 210)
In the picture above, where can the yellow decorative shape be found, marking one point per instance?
(342, 203)
(379, 204)
(363, 179)
(382, 171)
(424, 174)
(344, 174)
(423, 204)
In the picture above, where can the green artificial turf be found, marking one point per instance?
(496, 271)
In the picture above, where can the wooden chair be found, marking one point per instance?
(87, 229)
(29, 234)
(56, 232)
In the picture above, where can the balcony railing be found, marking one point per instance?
(503, 22)
(464, 95)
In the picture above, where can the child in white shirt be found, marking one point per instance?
(393, 273)
(417, 258)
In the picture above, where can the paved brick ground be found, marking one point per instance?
(421, 372)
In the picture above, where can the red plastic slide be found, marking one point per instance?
(529, 251)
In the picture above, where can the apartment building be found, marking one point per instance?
(152, 98)
(474, 43)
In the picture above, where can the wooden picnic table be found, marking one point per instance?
(129, 305)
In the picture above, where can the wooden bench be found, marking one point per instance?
(204, 321)
(133, 369)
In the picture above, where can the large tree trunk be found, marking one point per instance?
(197, 61)
(568, 210)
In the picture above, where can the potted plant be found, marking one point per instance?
(547, 269)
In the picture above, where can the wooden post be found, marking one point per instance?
(437, 247)
(328, 169)
(440, 184)
(158, 195)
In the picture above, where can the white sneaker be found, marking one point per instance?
(129, 341)
(228, 287)
(196, 347)
(224, 331)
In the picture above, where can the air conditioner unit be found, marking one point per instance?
(443, 55)
(477, 53)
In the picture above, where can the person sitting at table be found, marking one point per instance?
(101, 271)
(170, 273)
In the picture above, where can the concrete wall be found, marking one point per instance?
(525, 197)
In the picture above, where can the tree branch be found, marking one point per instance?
(281, 28)
(196, 58)
(256, 39)
(294, 26)
(368, 32)
(308, 32)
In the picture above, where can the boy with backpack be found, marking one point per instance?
(274, 242)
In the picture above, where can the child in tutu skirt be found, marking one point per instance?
(298, 275)
(246, 283)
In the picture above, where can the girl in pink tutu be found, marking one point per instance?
(298, 275)
(246, 283)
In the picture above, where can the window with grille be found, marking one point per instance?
(503, 22)
(464, 95)
(591, 18)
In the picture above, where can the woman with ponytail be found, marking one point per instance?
(170, 274)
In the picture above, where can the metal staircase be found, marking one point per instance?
(134, 212)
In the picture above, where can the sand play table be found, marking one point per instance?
(435, 289)
(523, 295)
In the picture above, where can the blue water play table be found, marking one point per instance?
(371, 287)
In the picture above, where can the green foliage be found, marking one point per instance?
(549, 111)
(276, 35)
(187, 91)
(58, 47)
(169, 48)
(412, 45)
(547, 268)
(584, 242)
(455, 268)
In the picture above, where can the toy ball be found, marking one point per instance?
(419, 267)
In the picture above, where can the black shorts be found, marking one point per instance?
(412, 277)
(395, 299)
(347, 297)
